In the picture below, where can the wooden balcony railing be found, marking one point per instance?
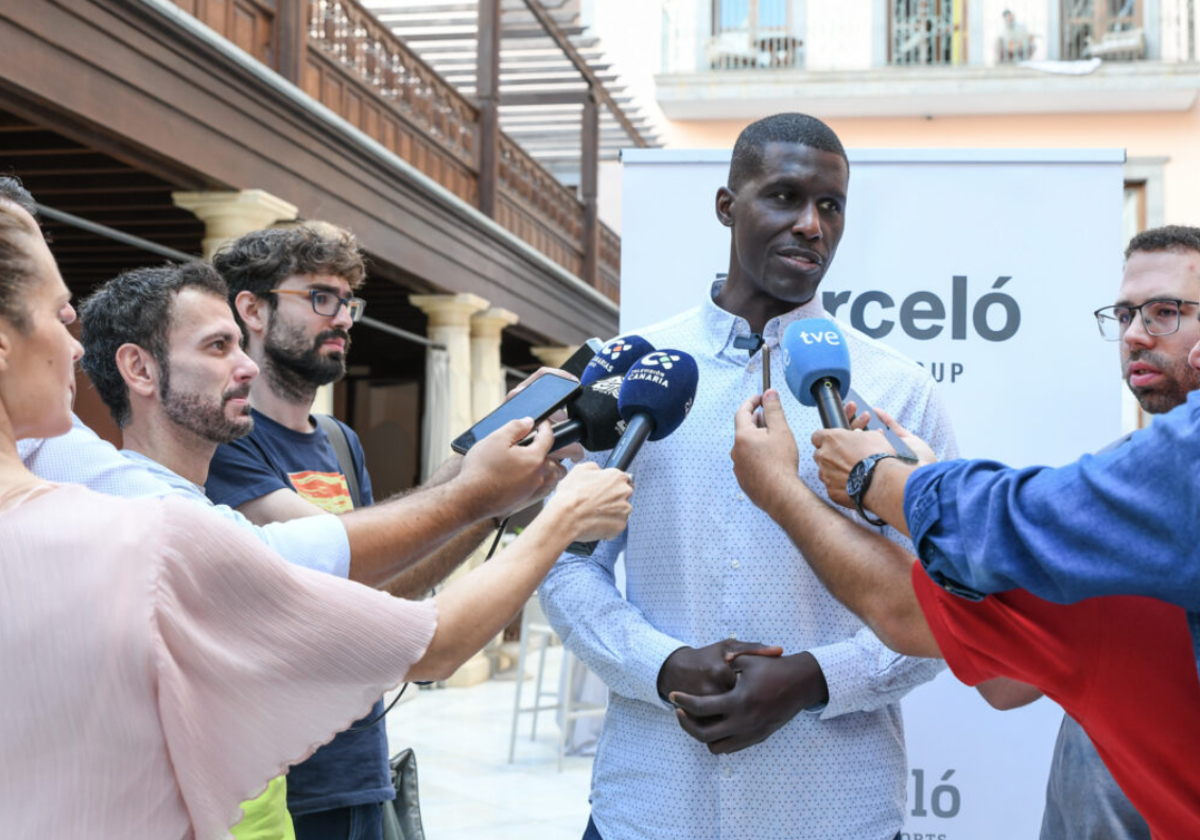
(339, 54)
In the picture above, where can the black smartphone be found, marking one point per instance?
(875, 424)
(541, 398)
(580, 358)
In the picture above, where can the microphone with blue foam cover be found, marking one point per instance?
(655, 398)
(615, 358)
(816, 362)
(594, 419)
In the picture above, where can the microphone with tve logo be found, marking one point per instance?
(654, 400)
(816, 362)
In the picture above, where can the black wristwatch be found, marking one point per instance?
(859, 481)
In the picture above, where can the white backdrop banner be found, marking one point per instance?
(984, 266)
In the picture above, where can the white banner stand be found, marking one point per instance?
(984, 266)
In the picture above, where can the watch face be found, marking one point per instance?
(854, 482)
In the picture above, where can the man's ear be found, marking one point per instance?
(253, 311)
(138, 368)
(725, 201)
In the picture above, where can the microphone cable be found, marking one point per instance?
(363, 727)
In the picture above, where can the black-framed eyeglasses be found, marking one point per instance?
(1160, 316)
(326, 303)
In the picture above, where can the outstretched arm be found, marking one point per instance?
(867, 573)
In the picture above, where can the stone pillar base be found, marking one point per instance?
(475, 670)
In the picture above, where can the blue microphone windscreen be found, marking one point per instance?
(814, 349)
(615, 358)
(663, 385)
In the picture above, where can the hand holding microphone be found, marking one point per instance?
(655, 398)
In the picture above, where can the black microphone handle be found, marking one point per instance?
(639, 428)
(566, 433)
(631, 441)
(829, 404)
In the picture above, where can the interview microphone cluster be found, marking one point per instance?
(593, 417)
(816, 362)
(655, 397)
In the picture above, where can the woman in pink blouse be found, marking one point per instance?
(158, 666)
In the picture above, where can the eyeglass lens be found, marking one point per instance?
(327, 304)
(1159, 317)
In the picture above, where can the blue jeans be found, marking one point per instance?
(360, 822)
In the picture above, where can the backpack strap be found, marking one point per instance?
(341, 450)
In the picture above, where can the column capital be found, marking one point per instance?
(553, 355)
(491, 322)
(449, 310)
(228, 215)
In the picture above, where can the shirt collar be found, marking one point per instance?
(722, 327)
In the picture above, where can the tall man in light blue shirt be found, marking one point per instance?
(808, 745)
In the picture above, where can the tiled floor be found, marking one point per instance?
(468, 788)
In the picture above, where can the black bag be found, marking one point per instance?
(402, 818)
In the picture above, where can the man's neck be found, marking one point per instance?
(283, 409)
(182, 452)
(745, 301)
(287, 403)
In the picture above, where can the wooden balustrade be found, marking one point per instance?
(536, 207)
(343, 57)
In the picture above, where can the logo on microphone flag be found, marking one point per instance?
(659, 358)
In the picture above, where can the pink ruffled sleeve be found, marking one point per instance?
(260, 662)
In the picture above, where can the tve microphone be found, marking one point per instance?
(816, 361)
(594, 418)
(654, 400)
(615, 358)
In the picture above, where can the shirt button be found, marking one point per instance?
(733, 635)
(736, 564)
(741, 497)
(728, 772)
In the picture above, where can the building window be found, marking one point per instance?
(928, 32)
(753, 34)
(1107, 29)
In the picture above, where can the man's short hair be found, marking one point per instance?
(800, 129)
(15, 264)
(1173, 238)
(136, 308)
(260, 261)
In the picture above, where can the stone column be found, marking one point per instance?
(553, 355)
(230, 215)
(487, 374)
(450, 325)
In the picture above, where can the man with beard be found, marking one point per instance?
(807, 745)
(1154, 321)
(164, 352)
(1063, 550)
(292, 291)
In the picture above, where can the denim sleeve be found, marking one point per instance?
(1123, 522)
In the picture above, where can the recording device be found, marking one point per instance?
(816, 362)
(594, 418)
(654, 400)
(539, 399)
(615, 358)
(580, 358)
